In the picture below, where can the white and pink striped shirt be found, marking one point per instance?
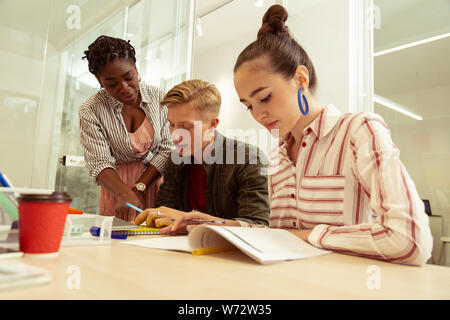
(350, 187)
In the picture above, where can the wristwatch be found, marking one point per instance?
(140, 186)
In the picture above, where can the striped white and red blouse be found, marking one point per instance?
(105, 139)
(350, 187)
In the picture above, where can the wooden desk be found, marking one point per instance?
(127, 272)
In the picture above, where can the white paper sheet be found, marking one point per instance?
(178, 243)
(262, 244)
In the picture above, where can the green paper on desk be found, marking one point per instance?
(8, 207)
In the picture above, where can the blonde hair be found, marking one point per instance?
(201, 95)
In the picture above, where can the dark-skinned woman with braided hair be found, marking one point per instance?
(123, 130)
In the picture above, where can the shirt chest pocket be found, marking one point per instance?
(283, 182)
(321, 199)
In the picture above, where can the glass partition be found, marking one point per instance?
(23, 52)
(402, 22)
(159, 31)
(44, 79)
(337, 35)
(412, 90)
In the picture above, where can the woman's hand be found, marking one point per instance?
(302, 234)
(110, 180)
(123, 211)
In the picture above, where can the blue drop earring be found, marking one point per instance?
(300, 104)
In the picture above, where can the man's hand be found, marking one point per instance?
(158, 217)
(171, 220)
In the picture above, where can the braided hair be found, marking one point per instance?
(105, 49)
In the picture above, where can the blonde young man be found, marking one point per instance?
(208, 176)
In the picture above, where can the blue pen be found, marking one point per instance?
(95, 231)
(4, 181)
(133, 207)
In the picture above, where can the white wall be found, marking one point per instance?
(323, 31)
(322, 28)
(216, 66)
(425, 150)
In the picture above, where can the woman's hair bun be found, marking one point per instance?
(274, 21)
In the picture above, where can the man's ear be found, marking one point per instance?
(214, 123)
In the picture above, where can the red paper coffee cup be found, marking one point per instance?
(41, 222)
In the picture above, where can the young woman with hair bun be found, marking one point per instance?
(336, 179)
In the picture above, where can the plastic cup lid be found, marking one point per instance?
(54, 197)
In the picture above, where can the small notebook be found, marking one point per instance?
(139, 231)
(121, 225)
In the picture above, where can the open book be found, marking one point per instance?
(262, 244)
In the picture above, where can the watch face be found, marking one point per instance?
(140, 186)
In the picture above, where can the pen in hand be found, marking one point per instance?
(134, 207)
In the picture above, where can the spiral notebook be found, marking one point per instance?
(141, 230)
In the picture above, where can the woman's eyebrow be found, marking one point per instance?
(254, 92)
(124, 75)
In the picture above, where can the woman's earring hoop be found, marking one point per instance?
(300, 104)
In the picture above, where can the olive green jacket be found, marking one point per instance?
(236, 182)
